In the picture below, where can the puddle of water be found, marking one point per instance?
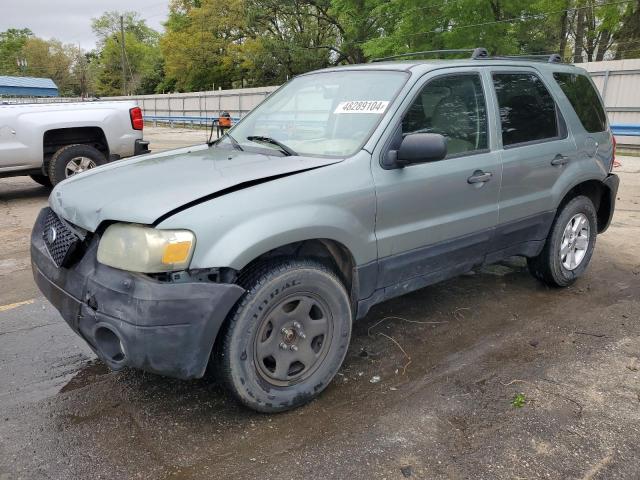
(86, 376)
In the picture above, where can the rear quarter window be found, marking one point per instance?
(584, 100)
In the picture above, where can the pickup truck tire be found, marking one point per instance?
(287, 337)
(41, 179)
(569, 245)
(84, 157)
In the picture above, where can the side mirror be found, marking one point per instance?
(418, 148)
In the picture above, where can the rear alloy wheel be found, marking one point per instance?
(286, 339)
(73, 160)
(569, 246)
(575, 241)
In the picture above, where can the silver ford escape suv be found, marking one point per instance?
(346, 187)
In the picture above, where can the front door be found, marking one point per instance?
(435, 220)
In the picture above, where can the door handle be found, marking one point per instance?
(559, 160)
(479, 177)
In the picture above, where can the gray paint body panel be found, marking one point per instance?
(379, 215)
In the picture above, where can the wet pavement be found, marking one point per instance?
(451, 358)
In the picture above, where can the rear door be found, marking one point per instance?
(536, 149)
(434, 219)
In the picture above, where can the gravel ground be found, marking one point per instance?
(451, 358)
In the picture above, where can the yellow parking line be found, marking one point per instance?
(11, 306)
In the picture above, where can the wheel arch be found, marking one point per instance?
(329, 251)
(56, 138)
(600, 194)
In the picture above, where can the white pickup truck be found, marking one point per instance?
(53, 141)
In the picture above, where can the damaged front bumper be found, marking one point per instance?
(130, 319)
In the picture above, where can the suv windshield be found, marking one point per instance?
(330, 113)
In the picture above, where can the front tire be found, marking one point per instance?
(569, 246)
(286, 339)
(73, 160)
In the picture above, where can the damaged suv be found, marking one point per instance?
(344, 188)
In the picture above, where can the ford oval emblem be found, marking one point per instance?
(52, 235)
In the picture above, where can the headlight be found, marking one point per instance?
(147, 250)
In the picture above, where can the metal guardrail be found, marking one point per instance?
(619, 129)
(185, 119)
(625, 130)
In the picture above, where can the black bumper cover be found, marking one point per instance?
(141, 147)
(164, 328)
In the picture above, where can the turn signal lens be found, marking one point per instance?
(176, 253)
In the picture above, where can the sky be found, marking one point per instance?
(70, 20)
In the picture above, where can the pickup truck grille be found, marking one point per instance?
(60, 241)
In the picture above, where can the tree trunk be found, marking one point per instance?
(563, 32)
(577, 50)
(603, 44)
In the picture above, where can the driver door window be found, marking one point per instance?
(453, 106)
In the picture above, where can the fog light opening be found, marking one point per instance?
(109, 345)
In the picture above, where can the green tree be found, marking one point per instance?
(203, 43)
(51, 59)
(11, 43)
(142, 61)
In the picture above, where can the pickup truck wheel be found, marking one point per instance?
(41, 179)
(286, 339)
(72, 160)
(569, 246)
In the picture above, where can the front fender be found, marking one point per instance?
(250, 239)
(336, 202)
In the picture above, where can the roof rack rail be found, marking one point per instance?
(553, 58)
(475, 53)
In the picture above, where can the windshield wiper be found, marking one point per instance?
(233, 141)
(260, 139)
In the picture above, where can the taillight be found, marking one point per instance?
(614, 162)
(137, 122)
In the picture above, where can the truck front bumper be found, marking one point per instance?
(130, 319)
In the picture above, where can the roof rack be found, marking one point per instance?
(553, 58)
(475, 53)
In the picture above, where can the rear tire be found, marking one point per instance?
(41, 179)
(72, 160)
(569, 246)
(286, 339)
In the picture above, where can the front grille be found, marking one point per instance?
(60, 241)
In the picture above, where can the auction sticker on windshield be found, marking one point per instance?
(362, 106)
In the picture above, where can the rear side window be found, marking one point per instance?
(527, 109)
(584, 100)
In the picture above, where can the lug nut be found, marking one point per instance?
(296, 325)
(302, 335)
(283, 346)
(284, 330)
(293, 348)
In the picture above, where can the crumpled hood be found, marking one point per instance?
(143, 189)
